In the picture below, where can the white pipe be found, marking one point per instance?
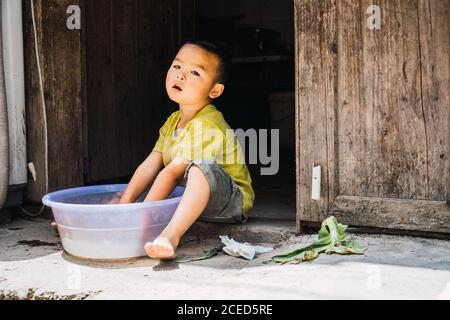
(4, 152)
(15, 89)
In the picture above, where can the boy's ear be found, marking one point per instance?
(216, 91)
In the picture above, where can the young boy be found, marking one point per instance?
(216, 191)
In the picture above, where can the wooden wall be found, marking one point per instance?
(60, 59)
(104, 85)
(373, 109)
(129, 47)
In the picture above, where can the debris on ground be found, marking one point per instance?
(212, 253)
(245, 250)
(232, 248)
(332, 239)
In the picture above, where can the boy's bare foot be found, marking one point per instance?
(161, 248)
(54, 226)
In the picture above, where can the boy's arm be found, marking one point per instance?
(142, 177)
(167, 179)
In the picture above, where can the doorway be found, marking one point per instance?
(259, 36)
(125, 99)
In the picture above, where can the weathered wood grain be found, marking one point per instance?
(434, 28)
(130, 45)
(158, 36)
(404, 214)
(383, 137)
(188, 25)
(316, 80)
(60, 56)
(101, 109)
(298, 190)
(382, 133)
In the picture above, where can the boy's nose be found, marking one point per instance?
(181, 76)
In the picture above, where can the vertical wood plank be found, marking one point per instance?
(316, 76)
(382, 132)
(331, 87)
(124, 87)
(148, 68)
(130, 45)
(298, 224)
(60, 56)
(34, 114)
(434, 27)
(84, 91)
(157, 37)
(188, 22)
(350, 48)
(100, 105)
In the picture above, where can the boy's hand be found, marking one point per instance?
(116, 198)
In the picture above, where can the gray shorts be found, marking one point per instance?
(225, 202)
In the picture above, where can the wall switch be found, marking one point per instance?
(316, 178)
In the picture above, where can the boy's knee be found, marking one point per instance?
(195, 172)
(199, 168)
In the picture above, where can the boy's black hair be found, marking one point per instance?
(223, 70)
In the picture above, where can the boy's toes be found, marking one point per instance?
(163, 251)
(149, 249)
(54, 226)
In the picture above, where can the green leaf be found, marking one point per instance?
(332, 239)
(210, 254)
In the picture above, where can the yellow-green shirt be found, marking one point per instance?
(207, 136)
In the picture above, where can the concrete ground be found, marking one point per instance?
(34, 266)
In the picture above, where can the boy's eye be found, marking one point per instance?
(195, 73)
(177, 66)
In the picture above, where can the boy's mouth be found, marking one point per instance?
(177, 88)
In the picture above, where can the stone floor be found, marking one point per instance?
(33, 265)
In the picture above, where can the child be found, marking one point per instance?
(216, 191)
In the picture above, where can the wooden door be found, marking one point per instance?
(129, 46)
(58, 130)
(373, 110)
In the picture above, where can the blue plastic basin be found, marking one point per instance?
(91, 228)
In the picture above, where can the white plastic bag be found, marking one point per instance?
(245, 250)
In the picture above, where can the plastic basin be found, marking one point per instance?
(91, 228)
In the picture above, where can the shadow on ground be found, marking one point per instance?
(24, 240)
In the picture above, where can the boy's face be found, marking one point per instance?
(192, 77)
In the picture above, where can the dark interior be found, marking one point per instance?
(126, 64)
(259, 36)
